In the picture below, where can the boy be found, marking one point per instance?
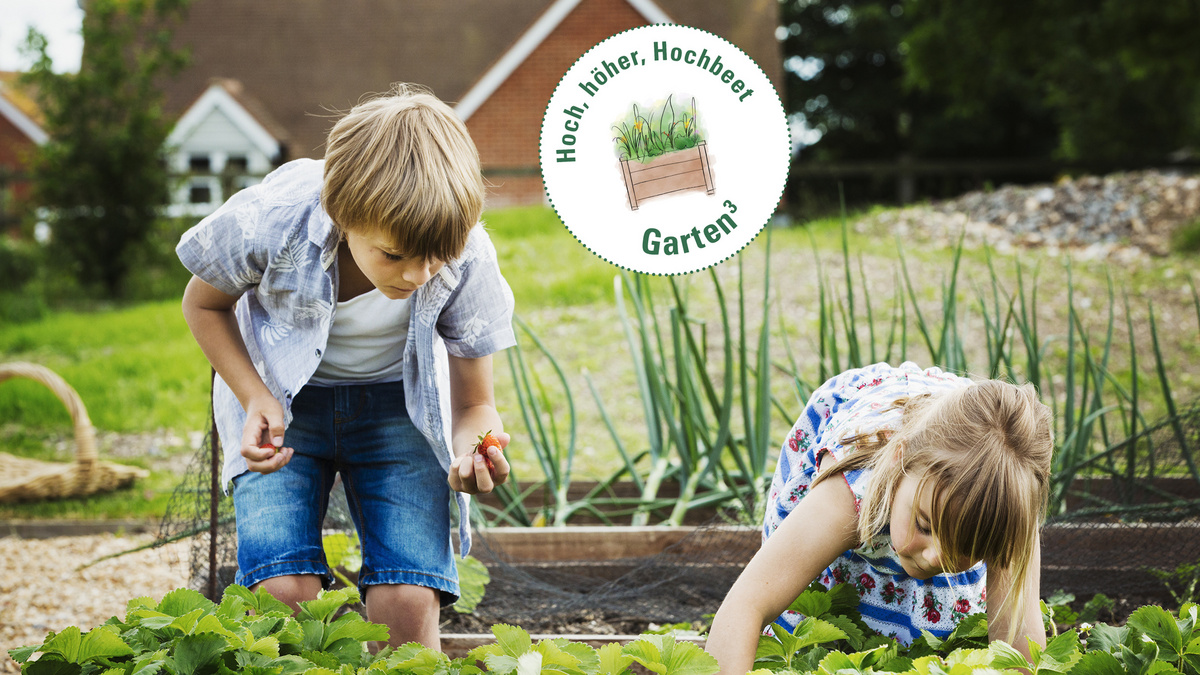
(350, 308)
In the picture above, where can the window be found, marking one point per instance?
(199, 163)
(237, 164)
(200, 193)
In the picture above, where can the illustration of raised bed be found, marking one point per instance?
(662, 153)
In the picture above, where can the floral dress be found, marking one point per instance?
(891, 602)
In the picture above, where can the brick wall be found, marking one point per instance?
(14, 148)
(507, 127)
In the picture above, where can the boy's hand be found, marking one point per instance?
(262, 437)
(469, 472)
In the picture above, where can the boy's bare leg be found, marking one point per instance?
(411, 613)
(293, 589)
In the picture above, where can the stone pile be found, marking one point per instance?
(1120, 214)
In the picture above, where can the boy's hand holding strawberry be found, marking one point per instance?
(484, 467)
(262, 436)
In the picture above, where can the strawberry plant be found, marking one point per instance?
(252, 633)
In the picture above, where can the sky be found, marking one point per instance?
(58, 20)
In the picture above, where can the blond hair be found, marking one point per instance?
(984, 450)
(403, 164)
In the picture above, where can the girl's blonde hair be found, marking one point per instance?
(403, 164)
(984, 450)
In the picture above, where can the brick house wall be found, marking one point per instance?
(507, 127)
(15, 147)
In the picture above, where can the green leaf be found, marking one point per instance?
(473, 577)
(292, 664)
(815, 631)
(267, 646)
(512, 640)
(1004, 656)
(1060, 653)
(500, 664)
(1107, 638)
(102, 642)
(210, 623)
(182, 601)
(187, 623)
(844, 599)
(1097, 663)
(323, 608)
(22, 654)
(837, 661)
(648, 652)
(50, 666)
(194, 652)
(351, 625)
(320, 671)
(687, 658)
(854, 634)
(232, 607)
(314, 635)
(1160, 626)
(811, 603)
(613, 661)
(586, 655)
(65, 644)
(769, 648)
(321, 659)
(347, 651)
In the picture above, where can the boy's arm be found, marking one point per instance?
(822, 527)
(209, 315)
(473, 410)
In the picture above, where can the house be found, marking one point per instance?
(225, 141)
(20, 132)
(496, 61)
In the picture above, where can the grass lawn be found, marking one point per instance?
(138, 370)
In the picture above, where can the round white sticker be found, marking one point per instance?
(665, 149)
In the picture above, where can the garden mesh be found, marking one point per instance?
(1136, 513)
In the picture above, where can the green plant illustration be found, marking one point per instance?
(642, 135)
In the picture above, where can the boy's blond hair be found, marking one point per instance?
(984, 450)
(403, 164)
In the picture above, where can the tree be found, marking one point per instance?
(101, 176)
(1120, 79)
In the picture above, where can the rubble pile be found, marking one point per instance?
(1122, 213)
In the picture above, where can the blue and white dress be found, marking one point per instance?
(891, 602)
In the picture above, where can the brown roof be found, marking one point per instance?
(308, 60)
(21, 95)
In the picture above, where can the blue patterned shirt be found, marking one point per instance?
(274, 246)
(891, 602)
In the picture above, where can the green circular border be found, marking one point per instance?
(542, 140)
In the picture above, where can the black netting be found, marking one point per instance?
(1130, 510)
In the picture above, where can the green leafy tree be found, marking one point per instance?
(847, 64)
(101, 176)
(1120, 79)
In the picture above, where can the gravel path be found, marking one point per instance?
(42, 589)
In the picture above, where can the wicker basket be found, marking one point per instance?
(23, 479)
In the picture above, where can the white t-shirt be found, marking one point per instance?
(366, 341)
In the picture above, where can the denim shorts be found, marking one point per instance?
(395, 486)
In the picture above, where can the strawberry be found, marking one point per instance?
(486, 441)
(274, 450)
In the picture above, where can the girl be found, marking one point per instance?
(909, 484)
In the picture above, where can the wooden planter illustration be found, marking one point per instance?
(678, 171)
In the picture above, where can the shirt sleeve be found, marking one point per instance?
(477, 319)
(222, 249)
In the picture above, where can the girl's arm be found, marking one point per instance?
(209, 314)
(1031, 625)
(473, 411)
(822, 527)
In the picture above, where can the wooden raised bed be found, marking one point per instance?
(677, 171)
